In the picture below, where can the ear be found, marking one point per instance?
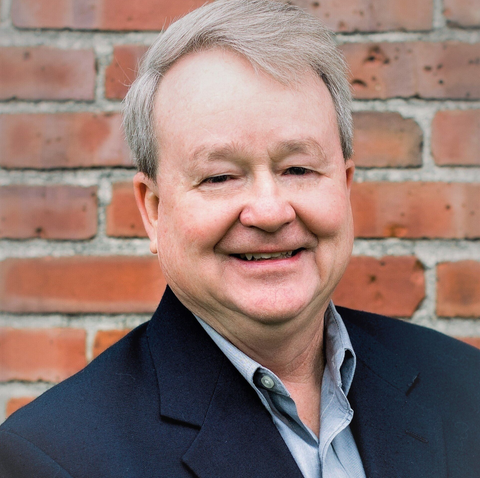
(146, 195)
(349, 170)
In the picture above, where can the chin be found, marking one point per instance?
(269, 309)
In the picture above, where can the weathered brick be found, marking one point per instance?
(81, 284)
(424, 69)
(385, 140)
(41, 354)
(458, 289)
(392, 286)
(50, 212)
(15, 403)
(106, 338)
(463, 13)
(123, 217)
(100, 14)
(62, 140)
(122, 70)
(473, 341)
(387, 209)
(456, 138)
(371, 15)
(44, 73)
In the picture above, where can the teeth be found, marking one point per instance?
(264, 255)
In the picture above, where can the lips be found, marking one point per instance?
(258, 256)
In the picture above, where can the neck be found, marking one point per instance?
(293, 350)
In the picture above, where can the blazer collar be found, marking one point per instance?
(200, 388)
(397, 436)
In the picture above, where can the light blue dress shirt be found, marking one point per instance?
(334, 453)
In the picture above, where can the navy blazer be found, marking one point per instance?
(165, 402)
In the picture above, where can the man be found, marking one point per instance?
(241, 128)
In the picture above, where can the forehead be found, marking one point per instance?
(217, 96)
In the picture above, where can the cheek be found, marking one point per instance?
(196, 224)
(328, 214)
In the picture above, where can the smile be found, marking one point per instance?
(266, 255)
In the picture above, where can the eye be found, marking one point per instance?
(217, 179)
(297, 171)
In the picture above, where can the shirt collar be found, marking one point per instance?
(340, 357)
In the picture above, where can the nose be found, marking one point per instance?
(267, 207)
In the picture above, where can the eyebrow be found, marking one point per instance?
(297, 146)
(277, 153)
(217, 152)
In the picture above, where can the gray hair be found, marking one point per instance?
(280, 39)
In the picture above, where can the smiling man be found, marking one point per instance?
(240, 125)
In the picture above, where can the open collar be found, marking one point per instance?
(200, 388)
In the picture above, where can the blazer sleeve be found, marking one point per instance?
(20, 458)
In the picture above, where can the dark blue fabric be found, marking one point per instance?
(165, 402)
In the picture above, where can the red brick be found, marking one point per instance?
(371, 15)
(463, 13)
(62, 140)
(423, 69)
(123, 217)
(416, 210)
(100, 14)
(43, 73)
(385, 140)
(81, 284)
(392, 286)
(122, 71)
(16, 403)
(473, 341)
(458, 289)
(50, 355)
(456, 138)
(50, 212)
(106, 338)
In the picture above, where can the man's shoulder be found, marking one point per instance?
(446, 367)
(102, 394)
(402, 336)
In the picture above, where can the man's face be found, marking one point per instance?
(254, 221)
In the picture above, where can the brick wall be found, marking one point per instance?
(75, 271)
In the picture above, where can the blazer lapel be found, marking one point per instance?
(200, 388)
(396, 436)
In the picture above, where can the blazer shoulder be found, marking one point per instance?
(108, 392)
(448, 368)
(402, 335)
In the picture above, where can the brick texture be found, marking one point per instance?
(123, 217)
(458, 289)
(122, 70)
(62, 140)
(456, 138)
(44, 73)
(423, 69)
(448, 210)
(463, 13)
(50, 355)
(99, 14)
(113, 284)
(15, 403)
(386, 140)
(106, 338)
(371, 16)
(392, 286)
(65, 66)
(50, 212)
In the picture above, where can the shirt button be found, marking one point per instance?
(267, 381)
